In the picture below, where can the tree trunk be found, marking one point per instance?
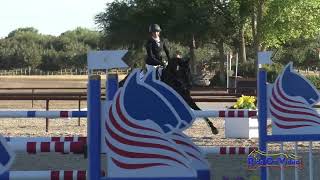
(254, 27)
(242, 47)
(222, 60)
(193, 56)
(260, 9)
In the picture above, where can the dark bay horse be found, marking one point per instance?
(178, 76)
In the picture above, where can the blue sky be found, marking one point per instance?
(49, 16)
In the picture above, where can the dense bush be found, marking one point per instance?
(27, 48)
(216, 80)
(273, 71)
(246, 70)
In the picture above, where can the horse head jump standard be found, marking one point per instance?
(144, 132)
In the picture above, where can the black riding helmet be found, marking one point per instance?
(154, 28)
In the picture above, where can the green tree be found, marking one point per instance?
(18, 31)
(302, 52)
(291, 19)
(120, 26)
(85, 36)
(25, 47)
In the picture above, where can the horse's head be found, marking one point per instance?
(177, 74)
(151, 99)
(295, 85)
(182, 63)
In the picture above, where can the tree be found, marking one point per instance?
(85, 36)
(224, 24)
(302, 52)
(22, 31)
(25, 47)
(282, 21)
(120, 24)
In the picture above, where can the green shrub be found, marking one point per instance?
(216, 80)
(273, 71)
(246, 70)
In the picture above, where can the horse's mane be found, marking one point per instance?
(177, 74)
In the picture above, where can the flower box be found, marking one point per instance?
(241, 128)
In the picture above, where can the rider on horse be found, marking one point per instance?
(176, 74)
(155, 49)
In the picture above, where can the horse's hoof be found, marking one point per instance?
(214, 130)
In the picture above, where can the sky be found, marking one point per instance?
(49, 16)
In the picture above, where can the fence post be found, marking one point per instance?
(47, 119)
(94, 127)
(79, 107)
(262, 117)
(32, 97)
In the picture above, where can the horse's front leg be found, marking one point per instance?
(194, 106)
(214, 130)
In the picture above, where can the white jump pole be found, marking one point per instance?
(42, 114)
(226, 113)
(67, 114)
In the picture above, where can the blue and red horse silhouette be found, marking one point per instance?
(290, 104)
(7, 156)
(144, 132)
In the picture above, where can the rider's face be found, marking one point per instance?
(155, 34)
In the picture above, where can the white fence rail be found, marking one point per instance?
(27, 72)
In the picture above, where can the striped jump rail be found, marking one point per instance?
(47, 139)
(46, 175)
(68, 114)
(227, 113)
(42, 114)
(45, 147)
(228, 150)
(78, 148)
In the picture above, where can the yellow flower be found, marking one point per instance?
(245, 102)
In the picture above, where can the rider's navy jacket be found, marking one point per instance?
(154, 52)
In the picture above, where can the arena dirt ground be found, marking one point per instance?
(222, 165)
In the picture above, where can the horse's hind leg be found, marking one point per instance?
(194, 106)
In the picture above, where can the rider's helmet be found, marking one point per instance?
(154, 28)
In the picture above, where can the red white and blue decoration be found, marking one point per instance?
(7, 156)
(290, 104)
(143, 133)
